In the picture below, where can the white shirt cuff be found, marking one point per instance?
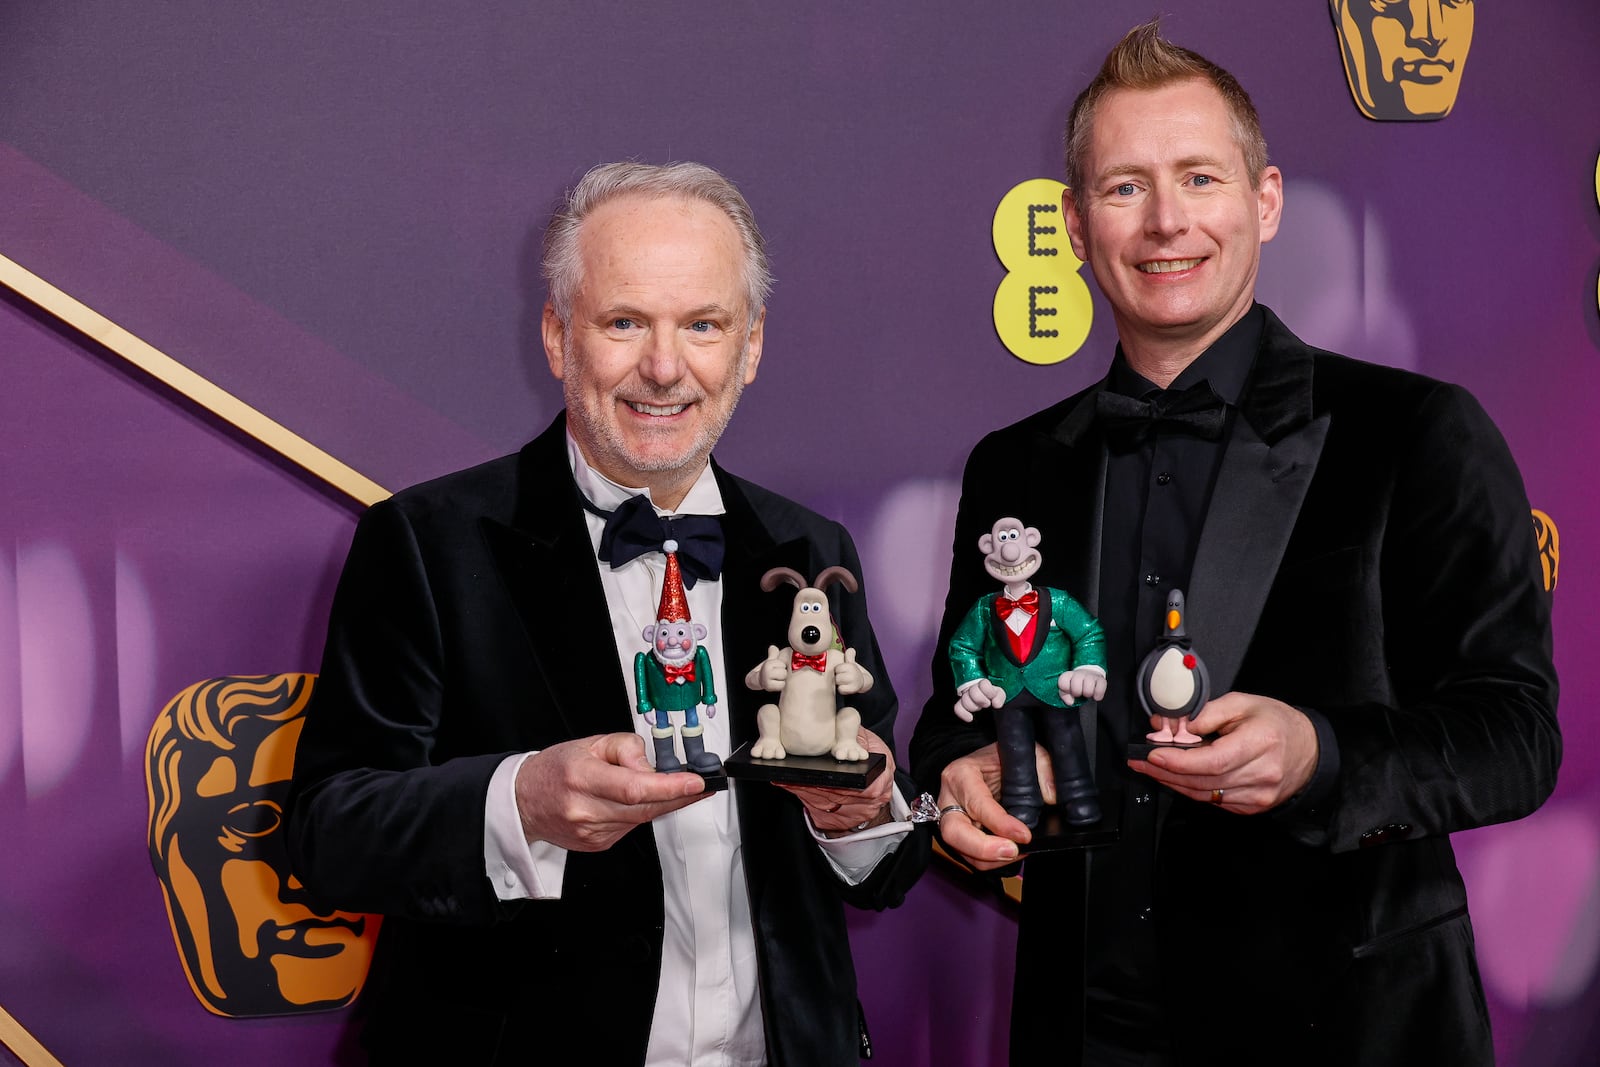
(519, 870)
(854, 856)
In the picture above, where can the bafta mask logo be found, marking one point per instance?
(217, 772)
(1404, 58)
(1549, 541)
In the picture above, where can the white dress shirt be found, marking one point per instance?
(707, 1009)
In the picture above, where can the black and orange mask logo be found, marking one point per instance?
(1404, 58)
(217, 771)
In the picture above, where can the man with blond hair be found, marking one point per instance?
(1362, 583)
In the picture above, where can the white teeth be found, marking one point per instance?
(651, 409)
(1167, 266)
(1018, 569)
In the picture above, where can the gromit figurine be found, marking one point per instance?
(675, 675)
(808, 675)
(1173, 683)
(1030, 654)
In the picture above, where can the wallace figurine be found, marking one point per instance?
(1030, 654)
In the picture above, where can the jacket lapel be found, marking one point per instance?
(1271, 456)
(547, 564)
(752, 620)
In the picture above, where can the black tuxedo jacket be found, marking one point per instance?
(1368, 553)
(469, 624)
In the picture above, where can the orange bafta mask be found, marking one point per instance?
(217, 772)
(1404, 58)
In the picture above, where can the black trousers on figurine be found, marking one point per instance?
(1017, 724)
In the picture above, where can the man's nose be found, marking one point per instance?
(1167, 214)
(662, 360)
(1011, 551)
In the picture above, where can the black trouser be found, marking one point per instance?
(1063, 739)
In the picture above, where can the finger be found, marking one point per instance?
(983, 851)
(772, 651)
(621, 750)
(849, 655)
(631, 787)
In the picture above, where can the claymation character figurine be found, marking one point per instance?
(1024, 651)
(1173, 683)
(809, 674)
(675, 675)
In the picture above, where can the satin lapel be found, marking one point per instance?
(547, 564)
(752, 620)
(1069, 468)
(1271, 457)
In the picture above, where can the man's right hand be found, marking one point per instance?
(585, 795)
(973, 781)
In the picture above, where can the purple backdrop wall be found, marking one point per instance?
(333, 212)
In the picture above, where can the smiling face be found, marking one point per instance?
(659, 346)
(1404, 58)
(1009, 551)
(1170, 221)
(674, 641)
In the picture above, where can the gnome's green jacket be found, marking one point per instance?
(1072, 639)
(656, 693)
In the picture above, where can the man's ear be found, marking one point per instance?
(700, 631)
(986, 544)
(758, 333)
(1269, 198)
(650, 634)
(1075, 227)
(554, 332)
(1030, 534)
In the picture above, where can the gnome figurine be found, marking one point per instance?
(1173, 683)
(675, 675)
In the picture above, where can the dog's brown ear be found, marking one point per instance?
(837, 574)
(778, 575)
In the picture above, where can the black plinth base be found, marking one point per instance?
(1055, 834)
(1142, 749)
(823, 771)
(716, 781)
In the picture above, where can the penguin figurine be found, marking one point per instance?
(1173, 684)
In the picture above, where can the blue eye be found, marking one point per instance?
(1201, 179)
(1125, 189)
(701, 326)
(622, 324)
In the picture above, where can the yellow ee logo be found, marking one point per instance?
(1042, 310)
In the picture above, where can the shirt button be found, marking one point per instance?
(1145, 913)
(1142, 798)
(1152, 579)
(1163, 478)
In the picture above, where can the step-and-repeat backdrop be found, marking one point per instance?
(333, 212)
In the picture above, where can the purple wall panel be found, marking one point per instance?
(333, 211)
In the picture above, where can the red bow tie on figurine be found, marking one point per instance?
(678, 673)
(1028, 602)
(800, 661)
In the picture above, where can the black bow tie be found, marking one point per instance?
(635, 528)
(1129, 423)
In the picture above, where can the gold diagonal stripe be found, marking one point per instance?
(19, 1041)
(169, 371)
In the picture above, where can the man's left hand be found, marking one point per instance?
(838, 811)
(1265, 753)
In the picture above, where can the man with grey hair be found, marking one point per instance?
(471, 767)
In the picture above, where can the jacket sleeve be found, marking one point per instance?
(1466, 734)
(374, 823)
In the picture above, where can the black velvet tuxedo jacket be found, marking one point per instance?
(469, 624)
(1368, 552)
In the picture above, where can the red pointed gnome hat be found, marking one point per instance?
(674, 601)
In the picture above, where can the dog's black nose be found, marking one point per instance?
(811, 635)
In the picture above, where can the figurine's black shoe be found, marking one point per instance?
(694, 750)
(666, 760)
(1026, 814)
(1080, 801)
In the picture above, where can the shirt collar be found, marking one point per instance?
(1226, 364)
(703, 498)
